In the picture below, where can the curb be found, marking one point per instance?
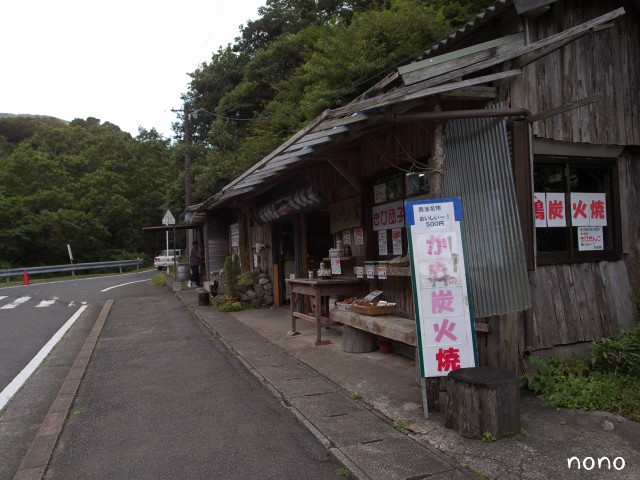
(34, 463)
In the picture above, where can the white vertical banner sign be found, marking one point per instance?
(441, 288)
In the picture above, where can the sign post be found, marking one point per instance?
(73, 273)
(167, 220)
(441, 288)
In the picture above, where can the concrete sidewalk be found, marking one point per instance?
(321, 382)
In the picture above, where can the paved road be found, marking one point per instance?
(162, 398)
(22, 416)
(31, 314)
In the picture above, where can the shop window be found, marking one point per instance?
(576, 209)
(389, 194)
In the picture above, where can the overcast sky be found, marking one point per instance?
(122, 61)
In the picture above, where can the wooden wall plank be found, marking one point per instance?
(620, 296)
(546, 332)
(606, 61)
(572, 315)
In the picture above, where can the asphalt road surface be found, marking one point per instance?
(161, 398)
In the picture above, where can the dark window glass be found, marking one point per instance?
(567, 175)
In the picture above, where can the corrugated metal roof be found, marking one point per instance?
(491, 13)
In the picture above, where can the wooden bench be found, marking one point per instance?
(361, 331)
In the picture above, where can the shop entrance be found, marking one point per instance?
(284, 233)
(302, 243)
(319, 239)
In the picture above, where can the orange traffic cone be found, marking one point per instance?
(26, 278)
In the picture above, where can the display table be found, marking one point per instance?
(320, 290)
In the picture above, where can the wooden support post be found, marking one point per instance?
(355, 340)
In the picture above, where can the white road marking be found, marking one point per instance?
(3, 297)
(47, 303)
(16, 302)
(27, 371)
(123, 284)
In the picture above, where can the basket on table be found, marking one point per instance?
(373, 310)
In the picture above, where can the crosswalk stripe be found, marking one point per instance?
(18, 301)
(46, 303)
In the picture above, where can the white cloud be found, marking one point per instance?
(125, 62)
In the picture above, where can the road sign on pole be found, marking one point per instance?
(168, 218)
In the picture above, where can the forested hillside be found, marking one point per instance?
(90, 185)
(85, 184)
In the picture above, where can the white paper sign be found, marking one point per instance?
(396, 241)
(580, 212)
(556, 211)
(370, 271)
(382, 272)
(598, 209)
(336, 268)
(590, 239)
(358, 233)
(346, 237)
(359, 272)
(380, 193)
(383, 248)
(440, 284)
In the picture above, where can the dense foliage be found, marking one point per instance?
(298, 59)
(85, 184)
(93, 186)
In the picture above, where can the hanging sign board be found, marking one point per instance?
(441, 290)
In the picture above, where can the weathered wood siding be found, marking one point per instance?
(579, 303)
(629, 174)
(605, 62)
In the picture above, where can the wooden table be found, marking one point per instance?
(320, 290)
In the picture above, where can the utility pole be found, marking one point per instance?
(187, 155)
(187, 158)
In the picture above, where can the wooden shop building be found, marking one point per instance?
(530, 114)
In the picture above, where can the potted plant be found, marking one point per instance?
(230, 279)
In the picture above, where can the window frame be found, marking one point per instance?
(572, 255)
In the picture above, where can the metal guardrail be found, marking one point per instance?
(72, 267)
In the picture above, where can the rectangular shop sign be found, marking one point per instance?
(388, 216)
(441, 287)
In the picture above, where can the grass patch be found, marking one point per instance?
(355, 396)
(610, 382)
(158, 279)
(343, 472)
(488, 437)
(399, 426)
